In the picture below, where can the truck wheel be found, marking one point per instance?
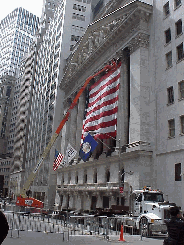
(144, 227)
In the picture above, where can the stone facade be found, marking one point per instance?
(135, 33)
(122, 34)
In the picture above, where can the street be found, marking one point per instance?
(30, 238)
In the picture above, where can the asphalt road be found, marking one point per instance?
(39, 238)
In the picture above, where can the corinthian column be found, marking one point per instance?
(123, 103)
(80, 117)
(73, 126)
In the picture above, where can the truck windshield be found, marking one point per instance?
(153, 197)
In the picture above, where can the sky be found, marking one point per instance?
(33, 6)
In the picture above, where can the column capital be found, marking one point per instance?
(140, 40)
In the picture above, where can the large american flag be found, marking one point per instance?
(101, 115)
(57, 160)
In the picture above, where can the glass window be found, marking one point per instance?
(181, 89)
(168, 35)
(178, 27)
(178, 172)
(153, 197)
(177, 3)
(180, 51)
(166, 9)
(75, 6)
(171, 124)
(169, 59)
(170, 93)
(182, 123)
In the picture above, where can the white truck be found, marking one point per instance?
(149, 210)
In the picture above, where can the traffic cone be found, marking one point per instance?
(121, 235)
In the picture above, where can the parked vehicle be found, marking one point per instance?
(148, 212)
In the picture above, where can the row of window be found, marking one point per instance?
(178, 31)
(5, 163)
(4, 169)
(75, 38)
(78, 17)
(84, 1)
(79, 7)
(180, 55)
(171, 125)
(166, 8)
(170, 92)
(78, 28)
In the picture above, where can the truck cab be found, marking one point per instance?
(149, 210)
(145, 201)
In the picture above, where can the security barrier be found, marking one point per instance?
(67, 225)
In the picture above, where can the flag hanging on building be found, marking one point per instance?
(101, 114)
(87, 147)
(70, 154)
(57, 160)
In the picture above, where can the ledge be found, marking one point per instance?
(179, 60)
(170, 104)
(177, 7)
(169, 67)
(169, 138)
(179, 35)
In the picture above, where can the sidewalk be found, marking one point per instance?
(31, 238)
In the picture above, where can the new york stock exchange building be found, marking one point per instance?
(126, 152)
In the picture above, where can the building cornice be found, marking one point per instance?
(103, 160)
(125, 27)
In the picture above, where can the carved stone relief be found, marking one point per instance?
(97, 39)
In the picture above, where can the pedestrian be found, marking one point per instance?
(4, 227)
(175, 228)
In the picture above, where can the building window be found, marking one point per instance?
(75, 7)
(178, 25)
(75, 38)
(169, 59)
(170, 93)
(177, 3)
(177, 171)
(168, 35)
(76, 178)
(71, 47)
(180, 51)
(108, 176)
(181, 89)
(166, 9)
(182, 123)
(95, 177)
(171, 124)
(85, 177)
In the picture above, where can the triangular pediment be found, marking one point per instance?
(100, 33)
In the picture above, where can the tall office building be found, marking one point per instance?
(17, 32)
(54, 45)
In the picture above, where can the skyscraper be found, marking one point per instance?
(17, 32)
(58, 35)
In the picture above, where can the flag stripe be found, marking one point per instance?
(112, 72)
(104, 87)
(104, 95)
(101, 115)
(109, 99)
(104, 116)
